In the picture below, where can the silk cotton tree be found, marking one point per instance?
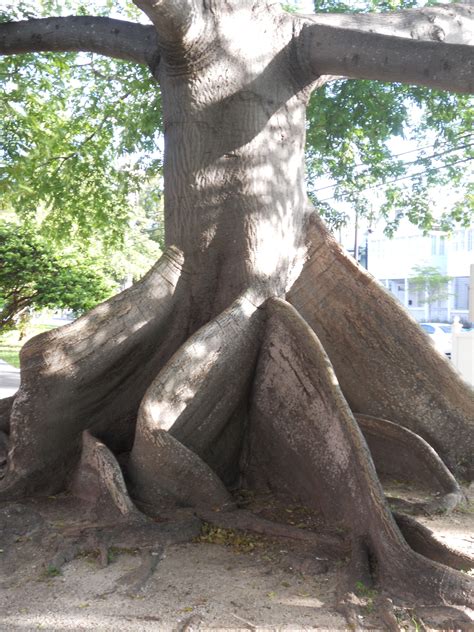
(255, 351)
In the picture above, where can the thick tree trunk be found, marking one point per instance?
(234, 157)
(204, 356)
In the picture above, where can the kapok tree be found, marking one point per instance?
(245, 355)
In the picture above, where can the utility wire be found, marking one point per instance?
(385, 184)
(462, 136)
(405, 164)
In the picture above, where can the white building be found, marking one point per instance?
(392, 261)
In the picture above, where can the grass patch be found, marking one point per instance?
(10, 353)
(367, 594)
(10, 343)
(50, 572)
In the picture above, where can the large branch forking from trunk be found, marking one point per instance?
(113, 38)
(431, 47)
(173, 19)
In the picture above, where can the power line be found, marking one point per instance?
(414, 175)
(406, 164)
(412, 151)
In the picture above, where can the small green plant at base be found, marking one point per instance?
(465, 508)
(417, 624)
(112, 555)
(51, 571)
(367, 594)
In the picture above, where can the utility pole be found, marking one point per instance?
(471, 295)
(356, 236)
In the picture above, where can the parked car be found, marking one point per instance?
(440, 335)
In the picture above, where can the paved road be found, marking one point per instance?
(9, 379)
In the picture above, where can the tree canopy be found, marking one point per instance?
(79, 133)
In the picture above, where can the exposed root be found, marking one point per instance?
(99, 481)
(356, 583)
(136, 580)
(90, 374)
(382, 373)
(416, 579)
(6, 405)
(401, 454)
(304, 439)
(441, 618)
(423, 541)
(47, 533)
(216, 366)
(299, 433)
(350, 613)
(66, 553)
(187, 408)
(330, 546)
(163, 473)
(4, 443)
(145, 535)
(386, 612)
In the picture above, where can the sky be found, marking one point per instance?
(304, 6)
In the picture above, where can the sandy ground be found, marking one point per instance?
(194, 586)
(200, 585)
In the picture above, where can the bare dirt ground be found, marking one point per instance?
(221, 581)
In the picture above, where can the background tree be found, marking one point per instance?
(33, 277)
(351, 157)
(218, 369)
(431, 285)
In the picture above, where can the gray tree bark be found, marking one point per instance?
(229, 382)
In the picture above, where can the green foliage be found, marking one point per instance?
(431, 285)
(33, 276)
(79, 136)
(368, 595)
(351, 129)
(51, 571)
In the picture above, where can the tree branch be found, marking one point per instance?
(173, 19)
(113, 38)
(431, 47)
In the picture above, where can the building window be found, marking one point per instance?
(459, 240)
(441, 245)
(461, 293)
(433, 244)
